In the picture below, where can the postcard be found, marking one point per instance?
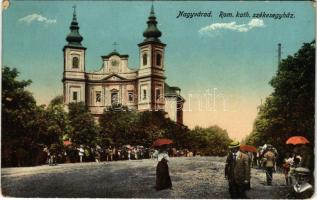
(158, 99)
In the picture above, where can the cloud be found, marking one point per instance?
(256, 23)
(232, 26)
(37, 18)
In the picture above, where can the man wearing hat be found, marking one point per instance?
(269, 162)
(237, 171)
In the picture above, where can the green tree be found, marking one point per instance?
(122, 126)
(289, 110)
(19, 111)
(179, 133)
(58, 100)
(211, 141)
(117, 126)
(84, 130)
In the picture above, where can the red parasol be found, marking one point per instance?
(160, 142)
(128, 146)
(248, 148)
(297, 140)
(67, 142)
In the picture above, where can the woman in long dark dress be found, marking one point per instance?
(163, 179)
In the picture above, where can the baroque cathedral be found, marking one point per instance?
(115, 83)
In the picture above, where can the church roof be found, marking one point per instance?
(171, 91)
(74, 38)
(152, 33)
(115, 53)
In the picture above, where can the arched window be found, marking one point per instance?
(158, 59)
(75, 62)
(145, 59)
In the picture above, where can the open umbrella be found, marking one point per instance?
(67, 142)
(248, 148)
(297, 140)
(160, 142)
(127, 146)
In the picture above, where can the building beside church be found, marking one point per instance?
(115, 83)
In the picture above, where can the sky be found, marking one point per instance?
(222, 64)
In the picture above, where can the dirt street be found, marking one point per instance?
(195, 177)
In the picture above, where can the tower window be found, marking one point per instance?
(75, 62)
(98, 96)
(157, 94)
(144, 59)
(158, 59)
(75, 96)
(144, 94)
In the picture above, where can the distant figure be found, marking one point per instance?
(269, 163)
(97, 153)
(129, 154)
(135, 152)
(163, 179)
(237, 171)
(297, 160)
(119, 154)
(154, 155)
(114, 153)
(81, 152)
(49, 158)
(53, 157)
(287, 162)
(109, 154)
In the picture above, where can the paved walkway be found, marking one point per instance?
(196, 177)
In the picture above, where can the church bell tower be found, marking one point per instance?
(74, 65)
(151, 72)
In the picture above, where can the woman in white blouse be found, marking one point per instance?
(163, 179)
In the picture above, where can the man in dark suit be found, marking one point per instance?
(237, 171)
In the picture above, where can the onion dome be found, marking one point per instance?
(74, 38)
(152, 33)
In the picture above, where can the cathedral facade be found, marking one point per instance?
(115, 83)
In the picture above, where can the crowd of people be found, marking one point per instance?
(239, 163)
(83, 153)
(237, 168)
(292, 161)
(97, 153)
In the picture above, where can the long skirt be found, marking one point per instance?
(163, 179)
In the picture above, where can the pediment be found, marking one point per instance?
(114, 77)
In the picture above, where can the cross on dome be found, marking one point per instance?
(114, 46)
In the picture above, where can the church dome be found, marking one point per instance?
(152, 32)
(74, 38)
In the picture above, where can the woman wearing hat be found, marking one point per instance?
(237, 171)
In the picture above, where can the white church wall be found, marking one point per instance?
(71, 87)
(75, 75)
(171, 107)
(144, 94)
(93, 90)
(144, 72)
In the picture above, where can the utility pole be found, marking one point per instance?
(279, 46)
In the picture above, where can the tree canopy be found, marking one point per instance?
(84, 130)
(123, 126)
(290, 109)
(27, 128)
(20, 117)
